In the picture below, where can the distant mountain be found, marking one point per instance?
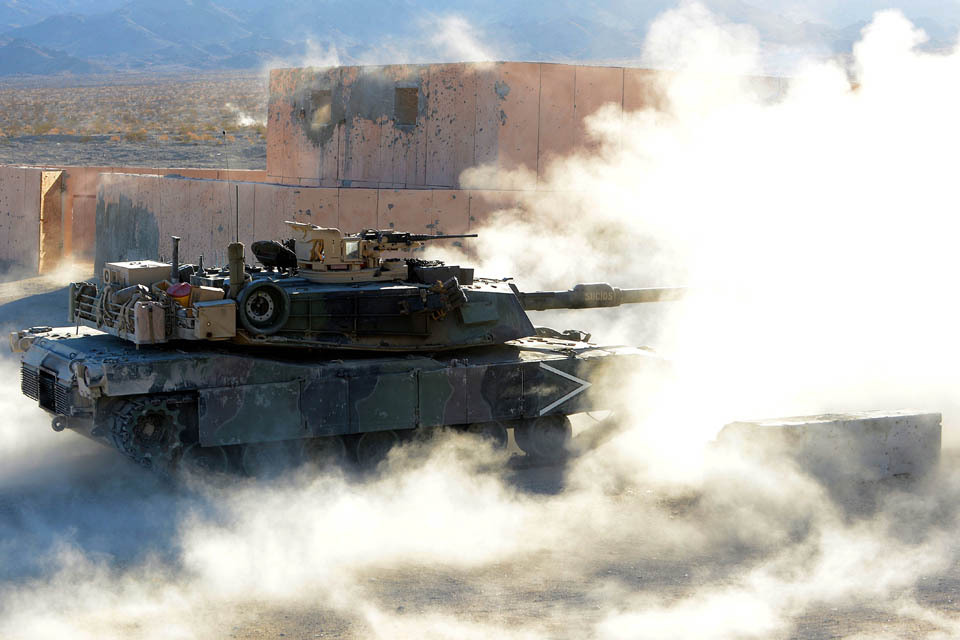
(17, 13)
(23, 57)
(87, 36)
(237, 34)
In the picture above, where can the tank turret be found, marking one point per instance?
(324, 289)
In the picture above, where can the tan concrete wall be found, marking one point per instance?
(19, 218)
(51, 220)
(23, 207)
(80, 198)
(506, 114)
(137, 214)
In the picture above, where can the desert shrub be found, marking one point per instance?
(42, 128)
(191, 108)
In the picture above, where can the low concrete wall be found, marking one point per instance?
(23, 208)
(136, 214)
(19, 218)
(80, 199)
(838, 448)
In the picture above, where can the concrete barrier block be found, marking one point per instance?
(357, 209)
(246, 192)
(452, 113)
(316, 205)
(277, 122)
(556, 138)
(19, 218)
(405, 210)
(596, 87)
(83, 226)
(643, 89)
(867, 445)
(128, 220)
(450, 212)
(518, 91)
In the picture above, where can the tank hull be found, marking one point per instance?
(153, 402)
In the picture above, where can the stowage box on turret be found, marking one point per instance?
(327, 349)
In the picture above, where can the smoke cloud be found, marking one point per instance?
(810, 215)
(244, 119)
(448, 37)
(456, 40)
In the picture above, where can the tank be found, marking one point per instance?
(331, 347)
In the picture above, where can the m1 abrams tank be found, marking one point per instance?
(326, 350)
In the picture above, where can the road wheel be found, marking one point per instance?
(204, 459)
(324, 451)
(493, 432)
(544, 437)
(261, 459)
(373, 447)
(521, 435)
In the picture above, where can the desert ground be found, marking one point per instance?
(188, 120)
(455, 542)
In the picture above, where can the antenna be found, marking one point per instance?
(156, 162)
(236, 187)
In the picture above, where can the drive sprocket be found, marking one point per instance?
(147, 430)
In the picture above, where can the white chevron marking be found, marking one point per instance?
(584, 385)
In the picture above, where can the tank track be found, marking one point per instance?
(159, 433)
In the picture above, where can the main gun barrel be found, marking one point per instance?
(598, 294)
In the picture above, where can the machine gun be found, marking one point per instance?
(387, 240)
(329, 255)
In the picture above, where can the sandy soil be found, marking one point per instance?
(247, 151)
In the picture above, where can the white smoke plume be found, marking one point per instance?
(447, 37)
(456, 40)
(814, 224)
(318, 53)
(810, 216)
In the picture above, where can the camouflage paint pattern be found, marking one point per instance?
(239, 398)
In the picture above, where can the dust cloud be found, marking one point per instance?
(446, 36)
(812, 220)
(456, 40)
(244, 119)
